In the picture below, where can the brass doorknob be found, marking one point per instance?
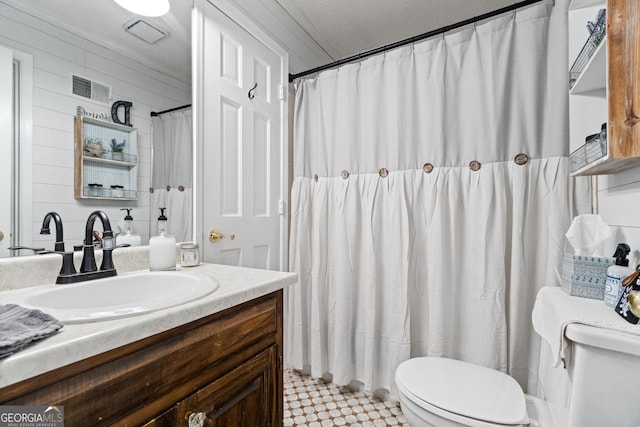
(215, 235)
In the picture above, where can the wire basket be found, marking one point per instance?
(593, 149)
(598, 31)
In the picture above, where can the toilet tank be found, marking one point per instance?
(604, 370)
(553, 385)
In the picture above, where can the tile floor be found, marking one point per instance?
(315, 402)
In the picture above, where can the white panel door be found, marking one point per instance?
(241, 146)
(6, 138)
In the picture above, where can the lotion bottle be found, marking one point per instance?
(127, 235)
(162, 248)
(615, 274)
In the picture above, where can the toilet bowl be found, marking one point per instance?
(598, 374)
(442, 392)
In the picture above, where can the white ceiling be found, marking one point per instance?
(346, 28)
(342, 28)
(101, 21)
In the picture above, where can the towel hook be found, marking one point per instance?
(250, 93)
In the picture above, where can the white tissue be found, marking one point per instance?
(587, 233)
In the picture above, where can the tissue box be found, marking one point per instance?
(585, 276)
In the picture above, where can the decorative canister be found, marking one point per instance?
(117, 191)
(189, 254)
(95, 190)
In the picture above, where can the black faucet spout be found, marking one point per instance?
(59, 245)
(88, 258)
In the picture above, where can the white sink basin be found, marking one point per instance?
(119, 296)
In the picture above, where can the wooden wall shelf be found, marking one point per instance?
(97, 167)
(609, 84)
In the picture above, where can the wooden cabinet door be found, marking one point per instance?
(623, 44)
(244, 397)
(167, 419)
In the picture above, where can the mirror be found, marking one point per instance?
(103, 44)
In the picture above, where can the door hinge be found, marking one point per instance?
(281, 90)
(281, 207)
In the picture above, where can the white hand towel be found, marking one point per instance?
(554, 310)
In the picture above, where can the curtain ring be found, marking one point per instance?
(168, 188)
(475, 165)
(383, 172)
(315, 178)
(521, 159)
(427, 168)
(344, 174)
(151, 190)
(180, 188)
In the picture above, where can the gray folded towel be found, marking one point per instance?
(20, 326)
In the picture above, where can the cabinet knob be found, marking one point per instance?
(197, 419)
(1, 235)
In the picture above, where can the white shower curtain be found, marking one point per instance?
(402, 245)
(172, 173)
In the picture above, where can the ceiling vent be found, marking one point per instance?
(95, 91)
(144, 30)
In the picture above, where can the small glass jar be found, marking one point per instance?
(189, 254)
(117, 191)
(95, 190)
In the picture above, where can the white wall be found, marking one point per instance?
(619, 206)
(56, 55)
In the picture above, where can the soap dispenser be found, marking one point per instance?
(613, 287)
(128, 236)
(162, 248)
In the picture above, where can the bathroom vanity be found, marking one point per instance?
(218, 358)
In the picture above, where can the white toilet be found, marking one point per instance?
(601, 377)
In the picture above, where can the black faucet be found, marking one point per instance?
(88, 269)
(59, 245)
(108, 240)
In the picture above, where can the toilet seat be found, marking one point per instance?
(462, 392)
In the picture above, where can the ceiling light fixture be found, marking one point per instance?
(152, 8)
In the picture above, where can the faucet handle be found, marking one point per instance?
(108, 243)
(107, 260)
(68, 268)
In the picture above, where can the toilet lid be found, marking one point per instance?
(463, 388)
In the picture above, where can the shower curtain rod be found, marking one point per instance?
(414, 39)
(153, 113)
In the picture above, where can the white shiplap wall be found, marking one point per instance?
(619, 206)
(57, 54)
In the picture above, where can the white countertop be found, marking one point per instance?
(77, 342)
